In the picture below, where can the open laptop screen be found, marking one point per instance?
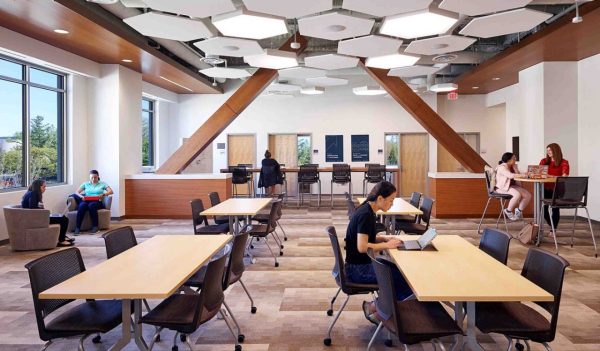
(427, 237)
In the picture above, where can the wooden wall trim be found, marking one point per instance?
(429, 119)
(226, 114)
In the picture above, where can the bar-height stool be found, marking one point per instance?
(239, 177)
(570, 193)
(341, 175)
(492, 194)
(249, 176)
(309, 174)
(375, 173)
(284, 179)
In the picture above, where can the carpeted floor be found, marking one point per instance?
(293, 298)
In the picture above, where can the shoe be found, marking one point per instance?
(518, 214)
(510, 215)
(76, 232)
(94, 230)
(64, 244)
(368, 315)
(69, 239)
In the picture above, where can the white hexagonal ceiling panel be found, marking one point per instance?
(370, 45)
(160, 25)
(413, 71)
(326, 81)
(331, 61)
(243, 23)
(225, 72)
(381, 8)
(226, 46)
(439, 45)
(301, 73)
(193, 8)
(479, 7)
(335, 26)
(289, 8)
(520, 20)
(273, 59)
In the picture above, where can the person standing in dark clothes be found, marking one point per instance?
(270, 174)
(33, 200)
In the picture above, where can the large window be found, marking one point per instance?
(148, 132)
(304, 147)
(391, 149)
(32, 115)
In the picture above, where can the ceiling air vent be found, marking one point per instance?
(445, 58)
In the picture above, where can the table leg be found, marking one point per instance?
(392, 226)
(471, 341)
(125, 327)
(539, 210)
(231, 225)
(137, 326)
(459, 317)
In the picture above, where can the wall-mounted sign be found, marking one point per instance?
(334, 148)
(360, 148)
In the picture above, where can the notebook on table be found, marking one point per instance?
(91, 198)
(422, 243)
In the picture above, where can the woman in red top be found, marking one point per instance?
(559, 167)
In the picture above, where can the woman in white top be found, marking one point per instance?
(506, 183)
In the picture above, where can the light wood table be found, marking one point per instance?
(237, 207)
(459, 272)
(538, 198)
(399, 207)
(154, 269)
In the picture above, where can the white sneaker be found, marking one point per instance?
(510, 215)
(518, 214)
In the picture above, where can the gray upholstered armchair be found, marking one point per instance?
(30, 229)
(103, 215)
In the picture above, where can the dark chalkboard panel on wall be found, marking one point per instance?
(334, 148)
(360, 148)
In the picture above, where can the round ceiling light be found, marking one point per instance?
(212, 60)
(444, 58)
(61, 31)
(231, 48)
(443, 87)
(336, 28)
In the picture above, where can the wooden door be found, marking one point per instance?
(284, 149)
(447, 162)
(241, 149)
(414, 163)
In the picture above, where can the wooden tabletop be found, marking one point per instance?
(153, 269)
(237, 207)
(400, 207)
(459, 271)
(320, 169)
(549, 179)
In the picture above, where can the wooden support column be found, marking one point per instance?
(429, 119)
(226, 114)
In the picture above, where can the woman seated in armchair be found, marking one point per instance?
(89, 198)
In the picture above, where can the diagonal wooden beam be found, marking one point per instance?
(429, 119)
(226, 114)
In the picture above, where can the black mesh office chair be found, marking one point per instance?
(411, 321)
(349, 288)
(341, 175)
(197, 221)
(375, 173)
(415, 200)
(90, 317)
(308, 175)
(418, 228)
(184, 313)
(493, 195)
(570, 193)
(262, 231)
(350, 205)
(241, 176)
(517, 321)
(214, 201)
(495, 243)
(264, 218)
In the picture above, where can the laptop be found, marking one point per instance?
(420, 244)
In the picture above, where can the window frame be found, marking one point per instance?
(151, 134)
(61, 128)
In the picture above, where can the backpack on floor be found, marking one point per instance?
(528, 235)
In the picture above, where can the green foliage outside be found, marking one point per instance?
(303, 150)
(145, 141)
(392, 156)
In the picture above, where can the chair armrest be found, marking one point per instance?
(71, 204)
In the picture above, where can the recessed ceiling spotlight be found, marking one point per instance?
(61, 31)
(475, 88)
(104, 2)
(127, 60)
(496, 78)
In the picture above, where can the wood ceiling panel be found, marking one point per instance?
(97, 35)
(559, 41)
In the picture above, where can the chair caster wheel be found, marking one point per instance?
(280, 253)
(238, 347)
(276, 264)
(253, 260)
(182, 337)
(253, 310)
(388, 343)
(284, 239)
(519, 346)
(281, 247)
(251, 246)
(327, 342)
(96, 339)
(241, 338)
(175, 348)
(330, 313)
(158, 338)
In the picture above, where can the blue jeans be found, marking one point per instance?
(85, 206)
(365, 274)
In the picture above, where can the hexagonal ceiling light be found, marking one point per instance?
(514, 21)
(225, 72)
(160, 25)
(301, 73)
(391, 61)
(478, 7)
(370, 45)
(289, 8)
(335, 26)
(226, 46)
(331, 61)
(247, 24)
(439, 45)
(273, 59)
(416, 24)
(413, 71)
(193, 8)
(382, 8)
